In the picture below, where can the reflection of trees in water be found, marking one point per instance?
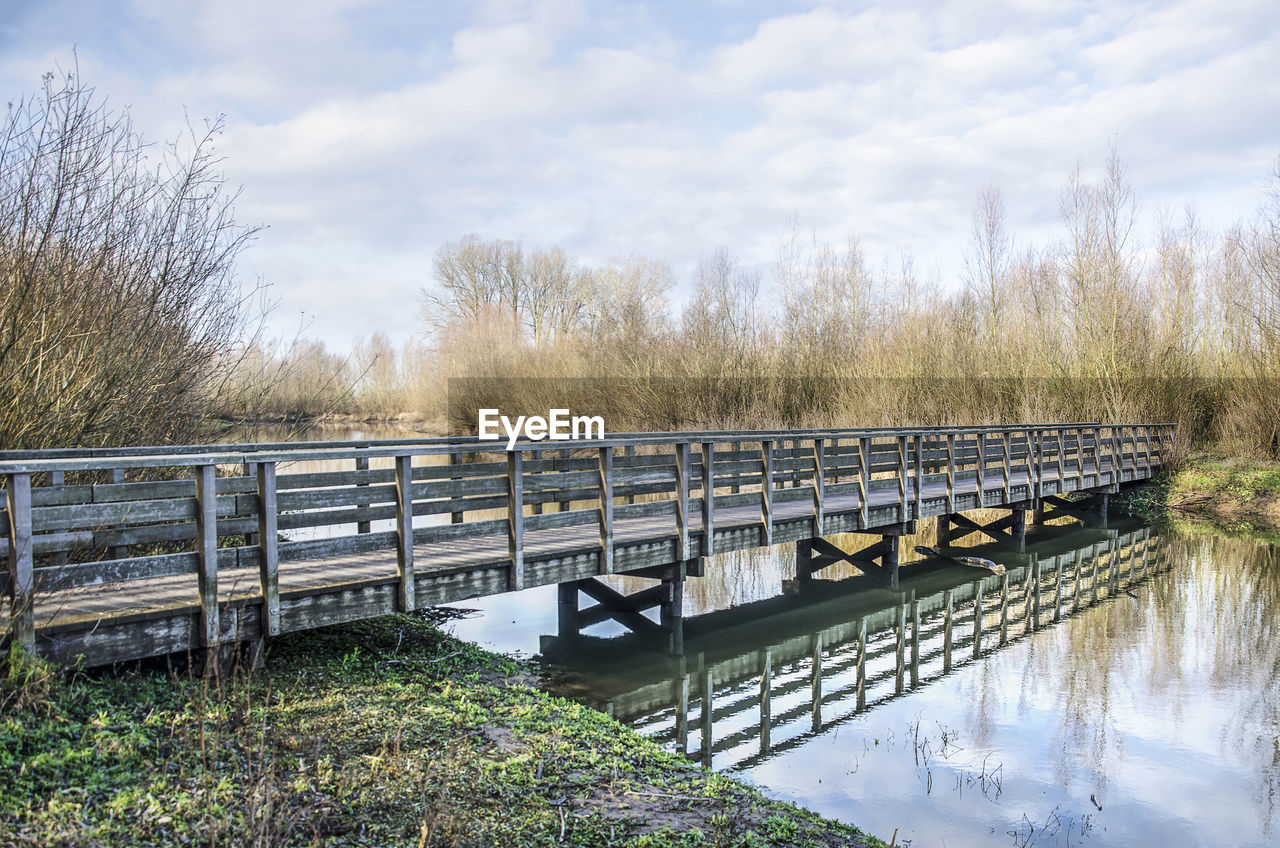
(1204, 628)
(1246, 579)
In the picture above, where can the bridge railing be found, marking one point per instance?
(230, 518)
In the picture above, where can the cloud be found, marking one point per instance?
(368, 132)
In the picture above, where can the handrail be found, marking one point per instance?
(458, 441)
(336, 450)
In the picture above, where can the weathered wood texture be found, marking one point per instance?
(185, 533)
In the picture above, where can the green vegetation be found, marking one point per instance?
(1233, 492)
(383, 733)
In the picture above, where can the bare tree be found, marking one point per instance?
(988, 260)
(118, 299)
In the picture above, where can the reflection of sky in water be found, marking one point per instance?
(1163, 707)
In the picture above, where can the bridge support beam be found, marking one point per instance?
(611, 605)
(879, 558)
(1010, 530)
(1089, 510)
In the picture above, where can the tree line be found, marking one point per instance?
(1095, 325)
(122, 319)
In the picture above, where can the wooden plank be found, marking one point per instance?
(347, 496)
(819, 486)
(864, 468)
(268, 547)
(459, 515)
(207, 554)
(648, 509)
(515, 518)
(628, 462)
(682, 500)
(951, 472)
(362, 465)
(561, 520)
(708, 498)
(919, 476)
(406, 600)
(1006, 466)
(57, 578)
(1035, 461)
(901, 470)
(766, 490)
(21, 560)
(456, 532)
(606, 509)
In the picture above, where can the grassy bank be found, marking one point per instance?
(1229, 491)
(388, 732)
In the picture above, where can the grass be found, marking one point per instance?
(386, 732)
(1231, 492)
(1246, 481)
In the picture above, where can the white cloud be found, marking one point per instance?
(367, 133)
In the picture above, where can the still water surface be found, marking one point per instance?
(1123, 688)
(1146, 715)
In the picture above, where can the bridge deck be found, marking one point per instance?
(132, 608)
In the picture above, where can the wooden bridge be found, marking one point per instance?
(764, 677)
(128, 553)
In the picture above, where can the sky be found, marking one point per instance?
(366, 133)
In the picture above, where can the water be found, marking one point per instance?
(1133, 700)
(1147, 713)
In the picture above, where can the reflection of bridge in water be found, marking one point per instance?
(764, 677)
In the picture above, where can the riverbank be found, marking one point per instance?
(1226, 491)
(386, 732)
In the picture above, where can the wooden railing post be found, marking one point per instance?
(250, 471)
(362, 464)
(902, 477)
(1062, 483)
(21, 561)
(1097, 455)
(766, 490)
(406, 600)
(1039, 460)
(536, 506)
(515, 517)
(737, 487)
(606, 510)
(982, 467)
(819, 485)
(455, 458)
(919, 481)
(631, 453)
(1006, 465)
(207, 560)
(118, 551)
(708, 498)
(864, 470)
(1114, 453)
(683, 472)
(268, 550)
(1080, 455)
(951, 473)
